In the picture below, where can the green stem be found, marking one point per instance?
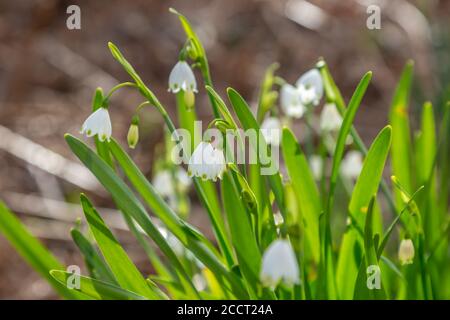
(117, 87)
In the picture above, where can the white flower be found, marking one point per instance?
(164, 184)
(207, 162)
(279, 264)
(98, 123)
(406, 251)
(290, 101)
(352, 165)
(182, 78)
(330, 118)
(316, 163)
(310, 87)
(271, 130)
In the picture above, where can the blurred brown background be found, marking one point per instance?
(49, 73)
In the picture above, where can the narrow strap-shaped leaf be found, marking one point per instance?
(124, 270)
(96, 264)
(305, 189)
(248, 121)
(247, 251)
(160, 208)
(401, 152)
(130, 205)
(96, 289)
(371, 174)
(32, 251)
(124, 198)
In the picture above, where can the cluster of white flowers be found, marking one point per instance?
(279, 264)
(308, 91)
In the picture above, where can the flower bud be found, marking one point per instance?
(189, 99)
(133, 133)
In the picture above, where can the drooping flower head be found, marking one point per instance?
(182, 78)
(406, 252)
(310, 87)
(271, 130)
(98, 123)
(316, 163)
(279, 264)
(163, 181)
(330, 118)
(290, 101)
(207, 162)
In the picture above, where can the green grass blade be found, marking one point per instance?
(361, 289)
(371, 174)
(130, 205)
(248, 121)
(124, 270)
(305, 189)
(124, 198)
(401, 152)
(96, 264)
(96, 289)
(174, 223)
(327, 281)
(242, 236)
(32, 250)
(349, 116)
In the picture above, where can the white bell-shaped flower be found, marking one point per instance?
(352, 165)
(290, 101)
(182, 78)
(163, 181)
(330, 118)
(271, 131)
(316, 163)
(207, 162)
(310, 87)
(279, 264)
(406, 251)
(98, 123)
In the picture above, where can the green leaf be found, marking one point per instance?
(242, 236)
(124, 198)
(96, 289)
(305, 188)
(130, 206)
(248, 121)
(327, 283)
(124, 270)
(401, 152)
(97, 266)
(361, 289)
(160, 208)
(344, 131)
(371, 174)
(32, 250)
